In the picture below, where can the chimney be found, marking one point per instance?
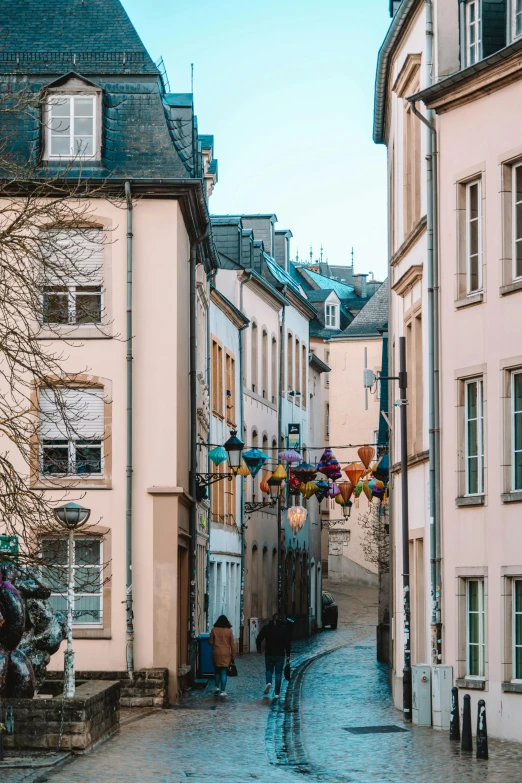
(359, 283)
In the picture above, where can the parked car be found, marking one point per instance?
(330, 614)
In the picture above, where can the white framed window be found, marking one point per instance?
(475, 629)
(71, 126)
(517, 18)
(73, 277)
(327, 421)
(516, 188)
(516, 430)
(474, 435)
(88, 577)
(473, 238)
(331, 316)
(517, 629)
(71, 432)
(473, 32)
(327, 374)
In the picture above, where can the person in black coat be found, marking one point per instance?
(276, 637)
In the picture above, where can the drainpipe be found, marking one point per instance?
(242, 506)
(128, 502)
(280, 581)
(433, 352)
(210, 279)
(193, 487)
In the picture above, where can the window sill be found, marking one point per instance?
(472, 500)
(472, 684)
(74, 482)
(511, 288)
(511, 687)
(511, 497)
(92, 633)
(468, 301)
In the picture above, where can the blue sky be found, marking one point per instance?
(286, 87)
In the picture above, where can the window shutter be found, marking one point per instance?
(74, 257)
(82, 417)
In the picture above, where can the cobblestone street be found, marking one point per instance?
(337, 684)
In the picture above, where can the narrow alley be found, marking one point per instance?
(337, 685)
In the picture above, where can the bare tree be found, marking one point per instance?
(47, 231)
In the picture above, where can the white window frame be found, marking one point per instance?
(514, 414)
(517, 16)
(473, 50)
(482, 630)
(515, 240)
(331, 315)
(469, 221)
(515, 614)
(480, 436)
(56, 98)
(78, 539)
(71, 292)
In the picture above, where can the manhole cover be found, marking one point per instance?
(374, 729)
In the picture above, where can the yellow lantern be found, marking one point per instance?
(243, 470)
(279, 473)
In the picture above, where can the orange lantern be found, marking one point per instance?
(354, 472)
(366, 454)
(346, 488)
(264, 484)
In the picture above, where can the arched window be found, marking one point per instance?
(297, 370)
(275, 387)
(253, 354)
(290, 362)
(304, 372)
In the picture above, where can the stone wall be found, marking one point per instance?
(148, 687)
(67, 724)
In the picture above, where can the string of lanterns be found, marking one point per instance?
(368, 477)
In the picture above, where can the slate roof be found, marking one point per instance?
(342, 290)
(372, 318)
(318, 296)
(93, 36)
(146, 133)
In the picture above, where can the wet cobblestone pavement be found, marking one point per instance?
(247, 737)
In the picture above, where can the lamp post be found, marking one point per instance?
(234, 448)
(72, 516)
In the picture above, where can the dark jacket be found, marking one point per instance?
(276, 637)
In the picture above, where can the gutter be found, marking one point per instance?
(242, 494)
(383, 62)
(128, 489)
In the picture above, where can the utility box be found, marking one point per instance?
(254, 630)
(421, 693)
(441, 684)
(206, 667)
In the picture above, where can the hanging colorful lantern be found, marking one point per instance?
(296, 516)
(339, 499)
(382, 471)
(322, 490)
(366, 454)
(218, 455)
(243, 470)
(346, 490)
(289, 456)
(294, 484)
(378, 489)
(354, 472)
(264, 483)
(329, 466)
(367, 491)
(305, 472)
(255, 459)
(358, 489)
(333, 490)
(279, 473)
(308, 489)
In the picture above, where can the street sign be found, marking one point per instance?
(9, 545)
(294, 436)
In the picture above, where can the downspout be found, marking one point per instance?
(128, 501)
(280, 572)
(210, 279)
(433, 352)
(193, 486)
(242, 505)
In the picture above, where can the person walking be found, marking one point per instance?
(223, 652)
(277, 641)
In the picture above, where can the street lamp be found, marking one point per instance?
(234, 448)
(347, 509)
(274, 487)
(72, 516)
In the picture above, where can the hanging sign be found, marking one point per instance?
(294, 436)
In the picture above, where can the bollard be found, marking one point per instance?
(467, 743)
(454, 717)
(482, 731)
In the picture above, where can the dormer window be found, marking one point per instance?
(473, 32)
(72, 122)
(331, 316)
(72, 119)
(517, 18)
